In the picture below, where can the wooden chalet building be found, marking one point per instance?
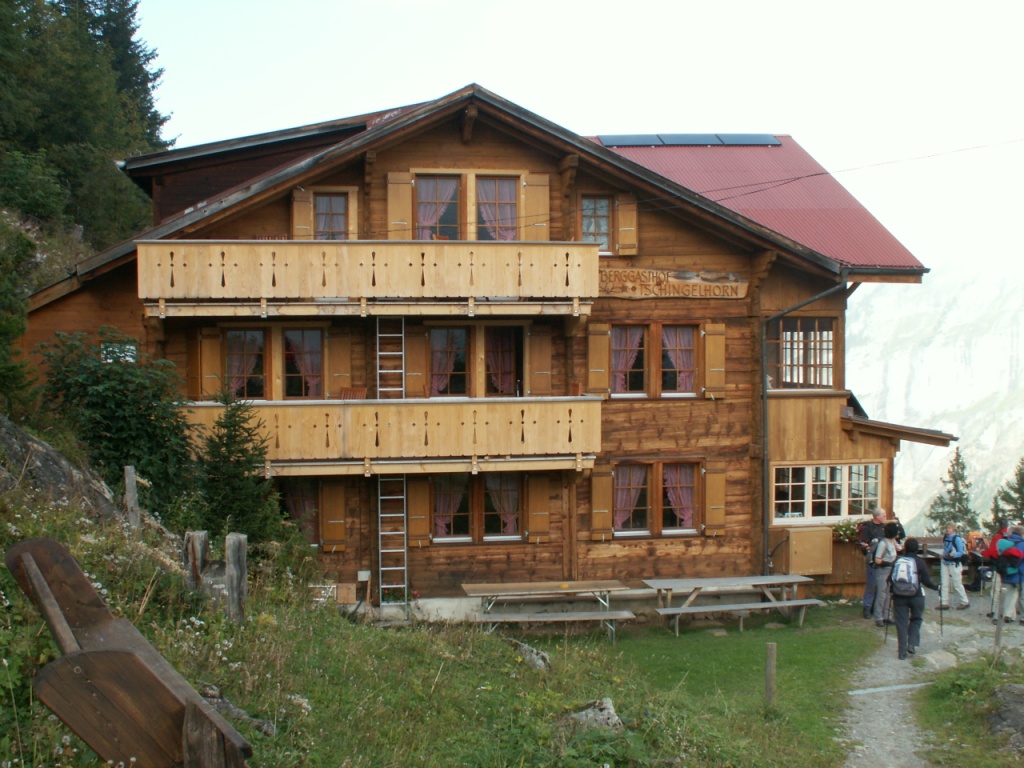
(485, 348)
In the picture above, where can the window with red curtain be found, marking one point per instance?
(303, 362)
(497, 208)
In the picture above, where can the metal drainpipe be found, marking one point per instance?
(766, 505)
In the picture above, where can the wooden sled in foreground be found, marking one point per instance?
(110, 686)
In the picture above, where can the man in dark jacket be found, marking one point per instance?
(871, 534)
(908, 612)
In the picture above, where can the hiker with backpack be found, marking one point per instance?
(885, 555)
(1010, 570)
(906, 581)
(954, 556)
(990, 555)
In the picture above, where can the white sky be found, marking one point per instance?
(916, 107)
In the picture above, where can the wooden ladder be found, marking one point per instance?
(393, 542)
(390, 357)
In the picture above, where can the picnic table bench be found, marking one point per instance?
(779, 592)
(524, 592)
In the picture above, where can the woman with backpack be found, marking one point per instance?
(1011, 550)
(908, 609)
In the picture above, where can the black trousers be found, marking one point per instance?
(908, 613)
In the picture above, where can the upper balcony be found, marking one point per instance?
(415, 436)
(365, 277)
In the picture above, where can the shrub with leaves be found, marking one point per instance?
(124, 405)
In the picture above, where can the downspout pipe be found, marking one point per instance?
(766, 501)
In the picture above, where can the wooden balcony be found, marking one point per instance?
(367, 436)
(274, 276)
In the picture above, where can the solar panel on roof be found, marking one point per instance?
(689, 139)
(631, 140)
(749, 140)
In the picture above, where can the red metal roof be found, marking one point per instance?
(786, 190)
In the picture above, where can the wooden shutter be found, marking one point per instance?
(400, 219)
(338, 370)
(332, 517)
(714, 500)
(714, 360)
(302, 215)
(599, 358)
(601, 503)
(417, 501)
(538, 355)
(417, 362)
(536, 208)
(538, 509)
(211, 364)
(626, 220)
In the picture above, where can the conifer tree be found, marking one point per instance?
(953, 505)
(1008, 501)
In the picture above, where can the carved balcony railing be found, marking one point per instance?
(491, 429)
(359, 271)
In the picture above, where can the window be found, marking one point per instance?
(503, 347)
(497, 208)
(477, 507)
(628, 359)
(655, 499)
(800, 353)
(437, 208)
(303, 363)
(674, 368)
(678, 361)
(825, 492)
(331, 219)
(449, 374)
(244, 363)
(596, 221)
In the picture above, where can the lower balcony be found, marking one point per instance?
(320, 437)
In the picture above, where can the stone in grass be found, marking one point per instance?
(598, 714)
(533, 658)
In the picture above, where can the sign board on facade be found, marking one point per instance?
(667, 283)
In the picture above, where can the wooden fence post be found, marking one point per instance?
(131, 498)
(235, 576)
(769, 675)
(195, 552)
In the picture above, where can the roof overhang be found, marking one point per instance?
(859, 425)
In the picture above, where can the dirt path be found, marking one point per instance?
(875, 725)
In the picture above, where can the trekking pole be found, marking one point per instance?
(888, 614)
(940, 612)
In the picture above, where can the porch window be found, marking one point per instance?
(497, 208)
(596, 221)
(474, 508)
(303, 363)
(800, 353)
(656, 498)
(448, 362)
(299, 501)
(331, 216)
(245, 364)
(437, 208)
(503, 353)
(825, 492)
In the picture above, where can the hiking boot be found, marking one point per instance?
(912, 650)
(867, 611)
(963, 607)
(943, 608)
(903, 655)
(879, 623)
(1007, 620)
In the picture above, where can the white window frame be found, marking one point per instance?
(850, 508)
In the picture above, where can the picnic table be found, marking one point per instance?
(520, 592)
(780, 591)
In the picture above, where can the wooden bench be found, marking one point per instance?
(607, 618)
(740, 609)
